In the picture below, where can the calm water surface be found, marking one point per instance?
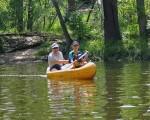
(120, 91)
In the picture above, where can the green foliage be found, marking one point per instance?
(129, 49)
(44, 13)
(128, 18)
(96, 22)
(4, 15)
(126, 49)
(136, 49)
(114, 50)
(90, 33)
(95, 47)
(43, 16)
(44, 49)
(79, 28)
(56, 28)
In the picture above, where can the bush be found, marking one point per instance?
(44, 49)
(79, 28)
(2, 45)
(95, 47)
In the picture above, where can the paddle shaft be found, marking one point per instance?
(78, 59)
(82, 56)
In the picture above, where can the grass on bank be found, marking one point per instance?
(129, 49)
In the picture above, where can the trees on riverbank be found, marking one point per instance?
(84, 20)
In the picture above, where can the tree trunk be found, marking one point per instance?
(71, 5)
(19, 15)
(141, 17)
(111, 24)
(93, 4)
(30, 15)
(62, 23)
(71, 8)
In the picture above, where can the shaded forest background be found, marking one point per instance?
(113, 28)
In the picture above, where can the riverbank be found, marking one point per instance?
(22, 48)
(24, 55)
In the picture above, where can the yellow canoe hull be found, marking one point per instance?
(85, 72)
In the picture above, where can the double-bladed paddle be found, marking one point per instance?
(69, 65)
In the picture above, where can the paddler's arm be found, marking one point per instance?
(60, 61)
(85, 57)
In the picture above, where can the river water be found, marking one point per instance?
(119, 91)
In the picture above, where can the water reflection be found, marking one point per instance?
(73, 98)
(133, 93)
(112, 73)
(121, 90)
(124, 89)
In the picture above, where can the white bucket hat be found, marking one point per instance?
(55, 45)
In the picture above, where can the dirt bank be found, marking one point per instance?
(25, 55)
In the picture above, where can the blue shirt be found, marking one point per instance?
(73, 56)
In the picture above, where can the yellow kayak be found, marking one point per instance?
(85, 72)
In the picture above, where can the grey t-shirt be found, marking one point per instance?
(52, 57)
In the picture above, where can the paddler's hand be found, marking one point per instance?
(75, 62)
(65, 61)
(86, 56)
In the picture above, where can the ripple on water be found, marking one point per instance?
(127, 106)
(7, 75)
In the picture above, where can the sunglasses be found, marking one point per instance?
(76, 45)
(55, 48)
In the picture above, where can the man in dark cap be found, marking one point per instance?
(75, 54)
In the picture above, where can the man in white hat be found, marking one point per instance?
(55, 58)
